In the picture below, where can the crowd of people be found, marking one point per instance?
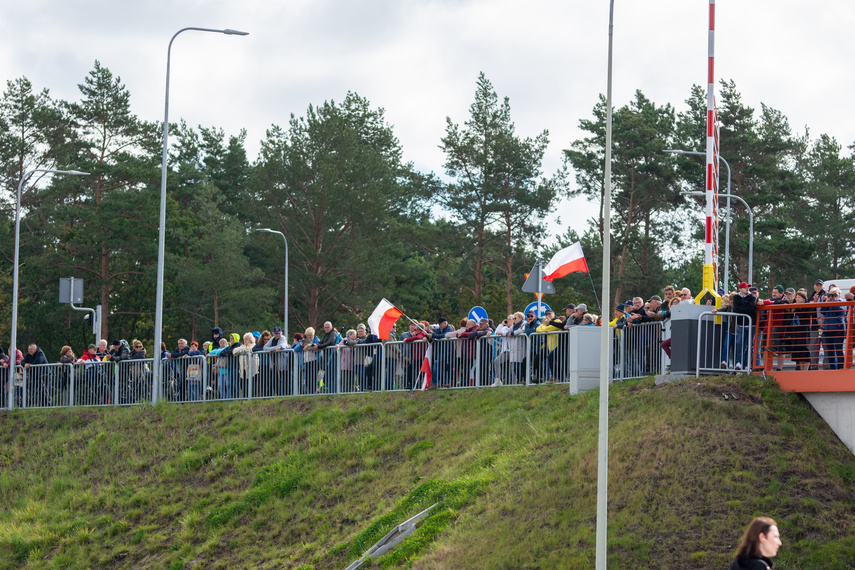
(517, 350)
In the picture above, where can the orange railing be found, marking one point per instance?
(804, 336)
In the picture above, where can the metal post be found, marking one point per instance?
(13, 337)
(161, 238)
(750, 229)
(603, 446)
(285, 304)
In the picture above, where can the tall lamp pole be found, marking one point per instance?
(750, 228)
(605, 369)
(14, 334)
(161, 238)
(727, 224)
(285, 308)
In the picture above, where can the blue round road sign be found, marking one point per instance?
(533, 307)
(478, 312)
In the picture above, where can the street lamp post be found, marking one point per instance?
(750, 229)
(161, 238)
(285, 307)
(727, 223)
(605, 369)
(14, 334)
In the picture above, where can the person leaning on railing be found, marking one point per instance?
(833, 330)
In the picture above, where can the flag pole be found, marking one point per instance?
(594, 287)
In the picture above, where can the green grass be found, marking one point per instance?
(312, 483)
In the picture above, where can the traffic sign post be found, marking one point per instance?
(534, 283)
(477, 313)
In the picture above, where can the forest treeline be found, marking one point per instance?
(362, 224)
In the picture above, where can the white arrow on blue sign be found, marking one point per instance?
(477, 313)
(533, 307)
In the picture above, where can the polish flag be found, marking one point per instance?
(381, 320)
(428, 375)
(568, 260)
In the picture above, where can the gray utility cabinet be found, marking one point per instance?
(584, 358)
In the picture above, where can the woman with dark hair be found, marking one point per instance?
(758, 546)
(803, 317)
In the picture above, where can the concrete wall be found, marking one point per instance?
(838, 411)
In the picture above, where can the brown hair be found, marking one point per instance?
(750, 543)
(64, 349)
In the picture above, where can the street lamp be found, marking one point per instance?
(161, 238)
(605, 344)
(14, 334)
(285, 308)
(727, 223)
(750, 229)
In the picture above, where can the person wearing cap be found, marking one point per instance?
(550, 347)
(780, 323)
(569, 310)
(118, 351)
(833, 321)
(443, 352)
(278, 362)
(575, 318)
(744, 303)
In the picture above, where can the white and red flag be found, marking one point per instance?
(381, 320)
(568, 260)
(426, 370)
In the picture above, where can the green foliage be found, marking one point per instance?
(500, 202)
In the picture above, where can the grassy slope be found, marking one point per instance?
(314, 481)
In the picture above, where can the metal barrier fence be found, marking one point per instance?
(637, 351)
(725, 342)
(391, 366)
(805, 336)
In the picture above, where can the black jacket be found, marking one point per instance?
(746, 305)
(37, 358)
(743, 562)
(119, 355)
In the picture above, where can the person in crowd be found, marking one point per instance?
(216, 335)
(345, 361)
(759, 544)
(263, 339)
(587, 320)
(139, 380)
(576, 318)
(247, 363)
(266, 375)
(744, 303)
(777, 341)
(279, 360)
(90, 390)
(531, 323)
(802, 320)
(370, 354)
(66, 359)
(443, 352)
(90, 355)
(102, 348)
(569, 310)
(308, 348)
(118, 352)
(466, 369)
(656, 310)
(38, 379)
(833, 322)
(667, 295)
(686, 296)
(501, 364)
(194, 349)
(414, 354)
(233, 341)
(550, 325)
(224, 386)
(327, 354)
(483, 330)
(179, 368)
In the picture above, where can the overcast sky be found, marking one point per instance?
(420, 60)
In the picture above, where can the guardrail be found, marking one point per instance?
(725, 343)
(456, 363)
(805, 336)
(637, 351)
